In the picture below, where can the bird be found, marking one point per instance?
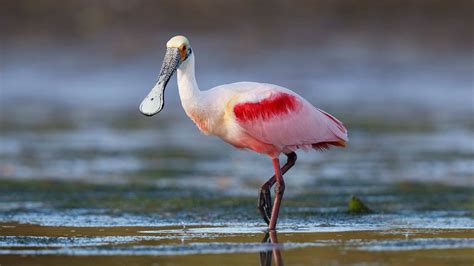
(261, 117)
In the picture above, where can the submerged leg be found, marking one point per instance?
(266, 256)
(276, 249)
(279, 190)
(264, 199)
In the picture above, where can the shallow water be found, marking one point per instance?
(53, 222)
(213, 245)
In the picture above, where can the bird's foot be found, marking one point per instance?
(265, 204)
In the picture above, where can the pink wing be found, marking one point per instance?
(289, 122)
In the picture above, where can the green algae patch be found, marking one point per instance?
(356, 206)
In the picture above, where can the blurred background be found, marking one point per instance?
(398, 73)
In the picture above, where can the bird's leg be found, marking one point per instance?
(265, 199)
(279, 190)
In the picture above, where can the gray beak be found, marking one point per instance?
(154, 101)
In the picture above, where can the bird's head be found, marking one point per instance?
(178, 51)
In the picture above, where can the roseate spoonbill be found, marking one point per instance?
(265, 118)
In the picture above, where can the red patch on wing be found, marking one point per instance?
(277, 104)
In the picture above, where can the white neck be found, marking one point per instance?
(187, 85)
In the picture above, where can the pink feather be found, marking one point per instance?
(288, 122)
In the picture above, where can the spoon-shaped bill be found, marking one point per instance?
(154, 101)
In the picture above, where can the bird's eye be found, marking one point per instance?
(182, 51)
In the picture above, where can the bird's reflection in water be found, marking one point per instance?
(274, 254)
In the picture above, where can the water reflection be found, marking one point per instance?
(274, 254)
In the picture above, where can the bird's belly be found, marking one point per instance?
(244, 141)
